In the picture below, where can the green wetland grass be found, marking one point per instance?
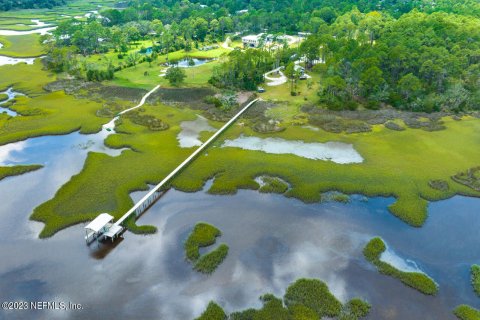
(306, 299)
(464, 312)
(17, 170)
(204, 235)
(416, 280)
(21, 46)
(131, 225)
(391, 168)
(398, 164)
(475, 278)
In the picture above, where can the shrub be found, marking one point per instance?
(393, 126)
(440, 185)
(175, 76)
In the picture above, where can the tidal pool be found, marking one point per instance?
(4, 60)
(391, 257)
(190, 134)
(41, 28)
(337, 152)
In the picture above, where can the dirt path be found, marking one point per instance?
(275, 81)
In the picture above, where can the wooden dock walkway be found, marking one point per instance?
(156, 192)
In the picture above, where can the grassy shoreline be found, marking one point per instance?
(416, 280)
(410, 188)
(17, 170)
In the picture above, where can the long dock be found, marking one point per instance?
(156, 192)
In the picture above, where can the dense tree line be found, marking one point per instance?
(243, 69)
(6, 5)
(420, 62)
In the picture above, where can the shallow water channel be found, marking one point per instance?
(11, 95)
(147, 277)
(41, 28)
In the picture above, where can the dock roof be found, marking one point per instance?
(101, 221)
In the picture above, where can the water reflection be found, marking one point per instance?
(147, 276)
(11, 94)
(4, 60)
(273, 241)
(190, 134)
(337, 152)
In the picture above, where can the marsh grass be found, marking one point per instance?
(23, 46)
(213, 312)
(416, 280)
(464, 312)
(131, 225)
(209, 262)
(203, 235)
(397, 164)
(273, 185)
(475, 278)
(17, 170)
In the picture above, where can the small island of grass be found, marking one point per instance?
(475, 276)
(464, 312)
(304, 299)
(205, 235)
(417, 280)
(213, 312)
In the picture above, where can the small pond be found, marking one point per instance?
(190, 134)
(184, 63)
(4, 60)
(337, 152)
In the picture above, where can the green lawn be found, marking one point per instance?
(136, 77)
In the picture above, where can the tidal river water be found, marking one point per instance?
(147, 277)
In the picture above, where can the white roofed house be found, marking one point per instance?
(98, 227)
(252, 41)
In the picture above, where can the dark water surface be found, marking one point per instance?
(273, 241)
